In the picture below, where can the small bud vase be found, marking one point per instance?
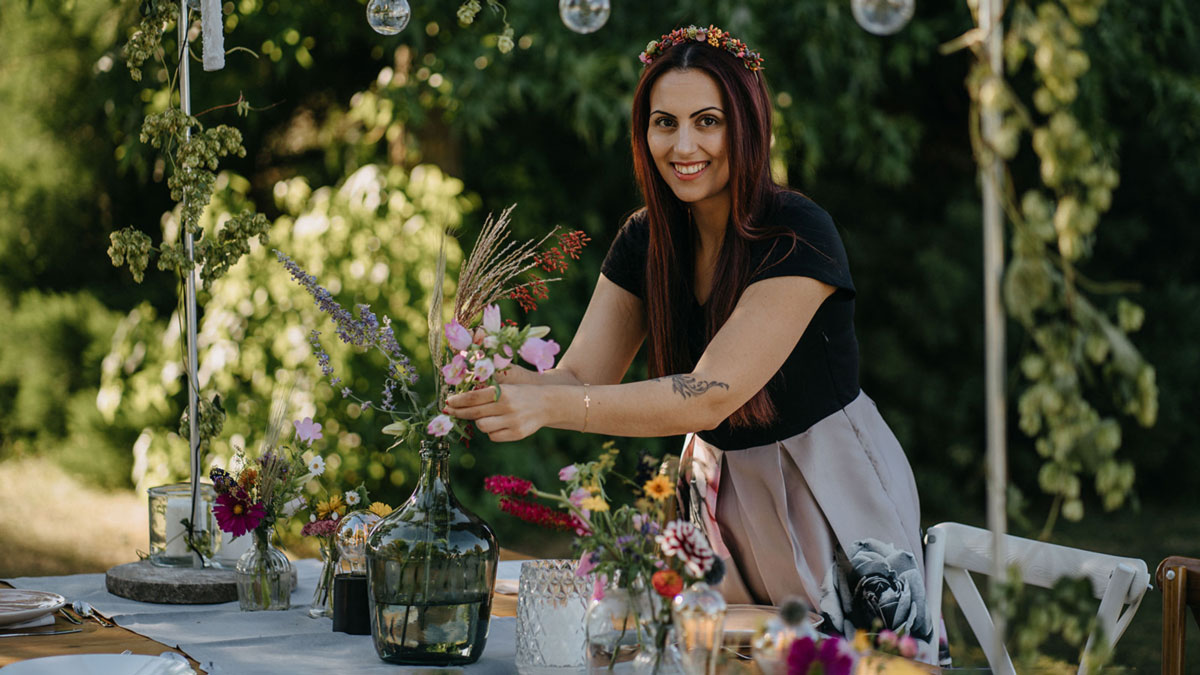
(264, 575)
(322, 602)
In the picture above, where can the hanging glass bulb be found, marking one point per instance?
(882, 17)
(584, 16)
(388, 17)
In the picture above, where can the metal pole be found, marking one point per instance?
(990, 22)
(189, 301)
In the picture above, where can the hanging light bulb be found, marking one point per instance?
(388, 17)
(584, 16)
(882, 17)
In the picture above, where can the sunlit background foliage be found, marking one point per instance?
(362, 146)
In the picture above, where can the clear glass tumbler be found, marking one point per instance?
(552, 603)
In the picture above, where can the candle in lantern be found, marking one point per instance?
(178, 508)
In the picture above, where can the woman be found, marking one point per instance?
(744, 292)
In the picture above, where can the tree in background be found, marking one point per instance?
(871, 128)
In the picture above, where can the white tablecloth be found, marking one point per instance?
(248, 643)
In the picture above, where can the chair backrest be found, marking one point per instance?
(954, 550)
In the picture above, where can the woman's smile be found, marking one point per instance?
(687, 139)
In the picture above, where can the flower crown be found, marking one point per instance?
(714, 36)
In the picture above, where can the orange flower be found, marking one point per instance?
(668, 583)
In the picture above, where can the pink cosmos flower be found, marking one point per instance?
(236, 516)
(454, 371)
(484, 368)
(587, 563)
(439, 426)
(539, 353)
(491, 318)
(307, 430)
(568, 472)
(578, 495)
(458, 337)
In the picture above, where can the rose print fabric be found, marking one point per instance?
(830, 515)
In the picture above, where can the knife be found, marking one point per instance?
(53, 632)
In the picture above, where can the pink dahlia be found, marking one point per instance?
(237, 516)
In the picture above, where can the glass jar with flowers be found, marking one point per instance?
(640, 555)
(431, 564)
(254, 499)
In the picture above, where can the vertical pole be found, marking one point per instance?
(189, 302)
(990, 22)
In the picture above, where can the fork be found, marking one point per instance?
(86, 611)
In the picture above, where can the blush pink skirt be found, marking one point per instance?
(830, 515)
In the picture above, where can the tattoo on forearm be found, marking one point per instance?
(688, 386)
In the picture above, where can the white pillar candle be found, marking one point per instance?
(232, 549)
(178, 508)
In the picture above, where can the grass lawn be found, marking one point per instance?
(52, 524)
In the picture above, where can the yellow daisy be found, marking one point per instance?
(594, 504)
(380, 509)
(659, 488)
(334, 505)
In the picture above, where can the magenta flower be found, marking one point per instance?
(836, 655)
(439, 426)
(455, 371)
(236, 516)
(484, 368)
(539, 353)
(307, 430)
(568, 472)
(801, 656)
(491, 318)
(458, 337)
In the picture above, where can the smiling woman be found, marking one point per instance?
(742, 290)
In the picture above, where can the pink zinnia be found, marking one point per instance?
(236, 516)
(507, 486)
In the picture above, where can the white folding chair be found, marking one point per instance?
(953, 551)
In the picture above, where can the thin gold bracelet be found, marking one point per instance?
(587, 405)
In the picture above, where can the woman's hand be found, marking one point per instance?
(518, 412)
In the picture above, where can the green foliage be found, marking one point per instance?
(1076, 350)
(1057, 620)
(871, 128)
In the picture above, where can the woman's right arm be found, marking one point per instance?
(608, 337)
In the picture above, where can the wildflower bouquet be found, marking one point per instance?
(268, 488)
(641, 548)
(469, 351)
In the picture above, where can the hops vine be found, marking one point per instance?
(1075, 345)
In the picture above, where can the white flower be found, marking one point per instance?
(316, 466)
(290, 508)
(685, 541)
(352, 498)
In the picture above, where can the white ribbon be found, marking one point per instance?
(213, 27)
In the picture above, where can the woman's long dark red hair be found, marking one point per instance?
(670, 259)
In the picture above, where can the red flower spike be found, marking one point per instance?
(538, 514)
(507, 486)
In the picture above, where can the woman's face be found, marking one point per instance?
(687, 137)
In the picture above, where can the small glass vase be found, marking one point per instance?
(264, 576)
(628, 631)
(322, 602)
(431, 566)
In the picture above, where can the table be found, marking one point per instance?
(222, 640)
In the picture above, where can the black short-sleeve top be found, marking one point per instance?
(820, 376)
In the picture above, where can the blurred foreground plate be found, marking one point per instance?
(98, 664)
(743, 621)
(18, 606)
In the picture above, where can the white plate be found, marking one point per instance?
(98, 664)
(18, 606)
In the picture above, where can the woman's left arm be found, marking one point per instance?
(762, 331)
